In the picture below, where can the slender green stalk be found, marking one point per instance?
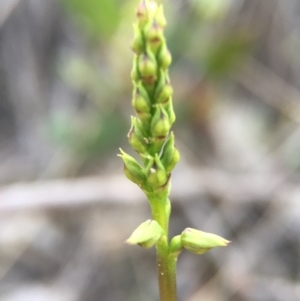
(151, 138)
(166, 263)
(166, 274)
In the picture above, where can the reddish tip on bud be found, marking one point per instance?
(154, 34)
(141, 12)
(146, 10)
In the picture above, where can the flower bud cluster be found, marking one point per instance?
(149, 134)
(151, 138)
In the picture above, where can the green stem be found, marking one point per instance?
(166, 264)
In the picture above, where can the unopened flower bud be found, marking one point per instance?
(141, 13)
(199, 242)
(145, 118)
(160, 124)
(146, 235)
(161, 82)
(147, 67)
(160, 17)
(156, 144)
(164, 58)
(154, 34)
(137, 44)
(164, 94)
(140, 100)
(170, 155)
(134, 71)
(156, 173)
(136, 137)
(163, 89)
(151, 8)
(175, 160)
(133, 170)
(170, 111)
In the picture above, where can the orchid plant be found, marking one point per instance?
(151, 137)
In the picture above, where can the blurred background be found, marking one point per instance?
(65, 205)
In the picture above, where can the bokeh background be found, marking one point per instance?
(65, 205)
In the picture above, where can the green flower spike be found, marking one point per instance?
(199, 242)
(151, 138)
(146, 234)
(152, 102)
